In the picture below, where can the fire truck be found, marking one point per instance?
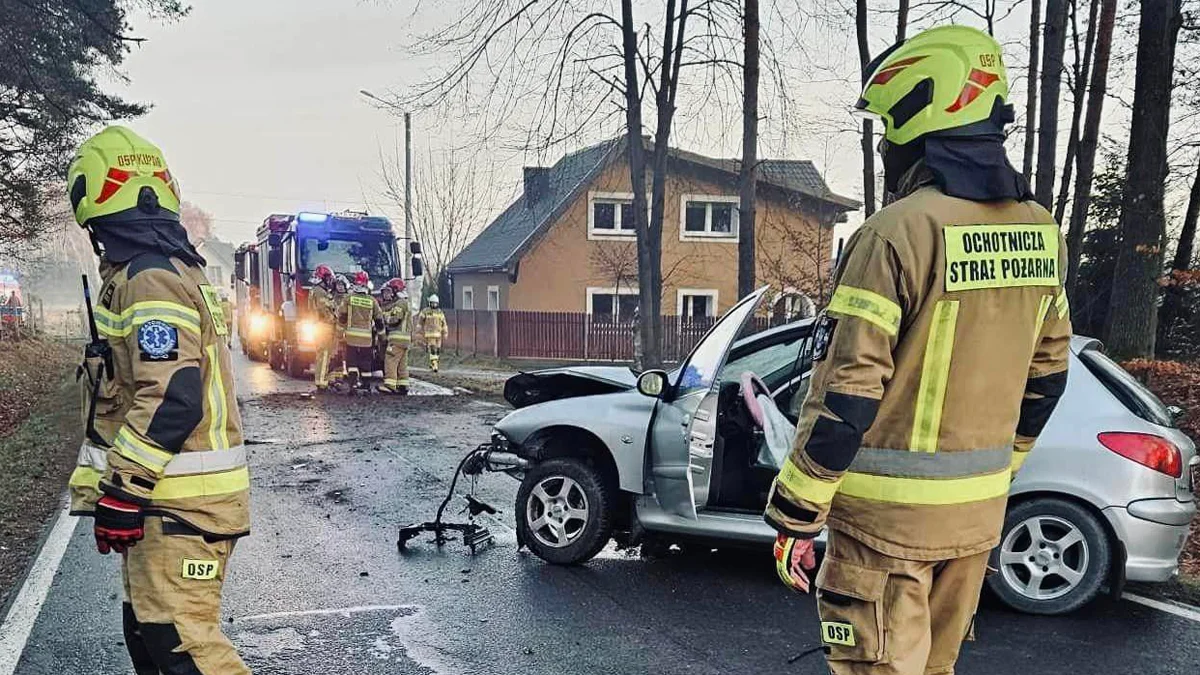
(273, 277)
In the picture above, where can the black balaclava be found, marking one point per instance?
(969, 162)
(146, 228)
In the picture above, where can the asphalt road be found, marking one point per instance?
(319, 586)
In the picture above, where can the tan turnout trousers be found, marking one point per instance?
(173, 607)
(888, 616)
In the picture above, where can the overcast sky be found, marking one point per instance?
(256, 103)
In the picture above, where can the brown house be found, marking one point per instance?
(568, 244)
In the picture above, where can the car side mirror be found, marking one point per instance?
(652, 383)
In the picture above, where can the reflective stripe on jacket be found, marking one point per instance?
(397, 321)
(361, 312)
(433, 324)
(942, 350)
(169, 413)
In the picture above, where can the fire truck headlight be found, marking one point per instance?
(259, 323)
(307, 331)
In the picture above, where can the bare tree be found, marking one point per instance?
(1132, 319)
(545, 60)
(868, 126)
(1086, 157)
(196, 221)
(1052, 68)
(1184, 256)
(748, 177)
(799, 257)
(452, 197)
(1078, 86)
(1031, 87)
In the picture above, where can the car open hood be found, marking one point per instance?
(526, 389)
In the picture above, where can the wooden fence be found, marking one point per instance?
(567, 336)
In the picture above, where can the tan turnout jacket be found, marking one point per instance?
(943, 350)
(168, 418)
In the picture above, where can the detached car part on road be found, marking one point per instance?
(661, 458)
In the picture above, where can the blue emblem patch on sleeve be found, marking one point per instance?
(157, 339)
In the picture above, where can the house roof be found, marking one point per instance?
(216, 252)
(507, 237)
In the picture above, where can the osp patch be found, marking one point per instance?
(158, 340)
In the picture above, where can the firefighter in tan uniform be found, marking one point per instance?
(937, 363)
(361, 315)
(397, 322)
(433, 330)
(323, 308)
(163, 469)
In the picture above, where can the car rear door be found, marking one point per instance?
(683, 428)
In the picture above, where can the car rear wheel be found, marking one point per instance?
(564, 511)
(1054, 557)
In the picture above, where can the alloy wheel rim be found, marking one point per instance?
(1044, 557)
(557, 511)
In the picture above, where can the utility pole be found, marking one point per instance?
(407, 190)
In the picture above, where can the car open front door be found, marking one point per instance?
(684, 427)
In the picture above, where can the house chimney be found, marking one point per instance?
(537, 184)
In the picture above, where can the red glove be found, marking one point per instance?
(792, 557)
(119, 525)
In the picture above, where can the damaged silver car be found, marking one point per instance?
(688, 456)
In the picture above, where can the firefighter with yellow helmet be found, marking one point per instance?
(937, 363)
(433, 330)
(163, 469)
(397, 322)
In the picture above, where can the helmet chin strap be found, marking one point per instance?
(96, 246)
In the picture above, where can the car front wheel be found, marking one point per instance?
(1054, 557)
(564, 511)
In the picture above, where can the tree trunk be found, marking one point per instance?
(1187, 235)
(1082, 65)
(1031, 88)
(1086, 159)
(868, 127)
(902, 21)
(748, 180)
(649, 351)
(672, 53)
(1052, 66)
(1133, 315)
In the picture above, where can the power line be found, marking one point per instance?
(277, 197)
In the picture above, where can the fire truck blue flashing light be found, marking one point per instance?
(312, 217)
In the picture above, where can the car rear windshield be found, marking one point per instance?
(1140, 400)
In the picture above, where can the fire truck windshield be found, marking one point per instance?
(344, 256)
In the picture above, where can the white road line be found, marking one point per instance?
(1184, 611)
(345, 611)
(14, 632)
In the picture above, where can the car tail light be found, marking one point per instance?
(1148, 450)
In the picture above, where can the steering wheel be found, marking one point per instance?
(752, 386)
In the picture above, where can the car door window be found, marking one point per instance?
(702, 366)
(773, 363)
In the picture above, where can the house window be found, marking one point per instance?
(493, 298)
(468, 298)
(708, 217)
(610, 304)
(215, 274)
(610, 215)
(697, 303)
